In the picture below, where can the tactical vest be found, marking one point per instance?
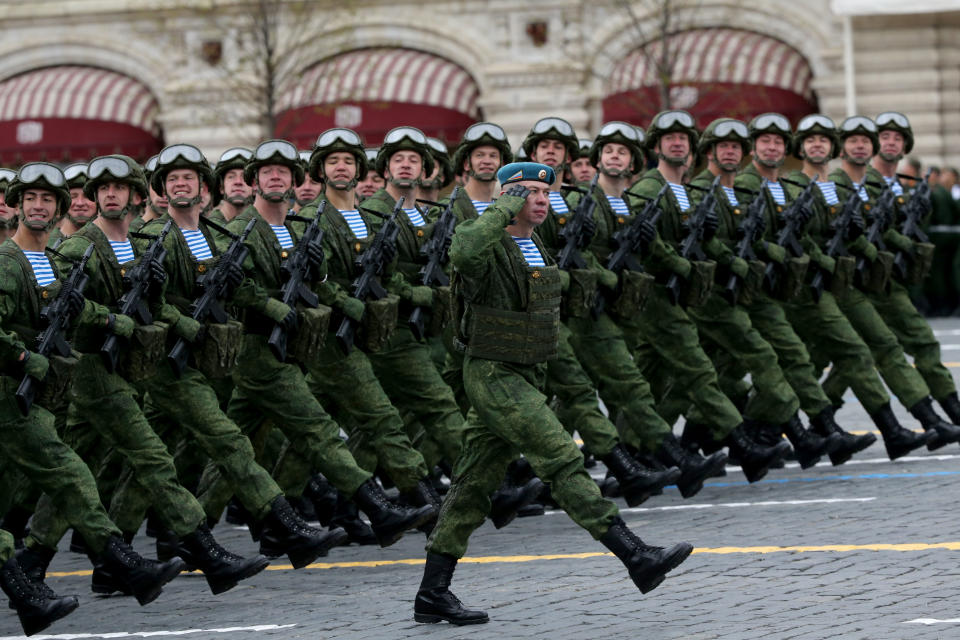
(520, 337)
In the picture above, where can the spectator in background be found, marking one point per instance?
(942, 287)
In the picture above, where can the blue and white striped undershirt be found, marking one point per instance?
(731, 196)
(42, 269)
(283, 236)
(776, 190)
(481, 205)
(197, 243)
(530, 251)
(862, 192)
(123, 251)
(558, 203)
(681, 193)
(829, 191)
(355, 221)
(618, 205)
(414, 216)
(895, 185)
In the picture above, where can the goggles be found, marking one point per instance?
(621, 128)
(437, 146)
(584, 143)
(559, 125)
(187, 152)
(234, 153)
(858, 122)
(477, 131)
(816, 120)
(772, 120)
(894, 117)
(6, 175)
(396, 135)
(330, 136)
(272, 148)
(670, 118)
(115, 167)
(731, 128)
(73, 171)
(36, 171)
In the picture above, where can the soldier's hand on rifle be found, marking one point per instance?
(315, 256)
(233, 275)
(804, 215)
(35, 365)
(711, 222)
(353, 309)
(761, 227)
(855, 228)
(157, 275)
(389, 252)
(75, 302)
(647, 234)
(589, 229)
(121, 325)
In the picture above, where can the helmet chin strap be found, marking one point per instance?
(10, 223)
(117, 214)
(403, 183)
(676, 162)
(615, 173)
(275, 196)
(482, 177)
(340, 185)
(46, 226)
(237, 201)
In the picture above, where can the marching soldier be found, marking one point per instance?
(372, 181)
(8, 214)
(235, 194)
(310, 188)
(82, 210)
(582, 169)
(442, 175)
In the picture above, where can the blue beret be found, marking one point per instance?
(517, 171)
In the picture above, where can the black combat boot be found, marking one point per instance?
(324, 498)
(809, 446)
(755, 459)
(168, 547)
(389, 521)
(766, 434)
(951, 405)
(824, 425)
(77, 543)
(648, 566)
(899, 441)
(434, 602)
(285, 533)
(509, 499)
(421, 495)
(636, 483)
(347, 516)
(120, 568)
(696, 437)
(222, 569)
(694, 468)
(34, 562)
(945, 433)
(37, 606)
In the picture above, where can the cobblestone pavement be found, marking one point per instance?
(866, 550)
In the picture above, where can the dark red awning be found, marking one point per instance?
(64, 140)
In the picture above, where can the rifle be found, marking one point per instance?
(56, 318)
(372, 265)
(913, 213)
(835, 245)
(572, 233)
(789, 234)
(214, 289)
(296, 272)
(136, 284)
(749, 232)
(627, 240)
(436, 251)
(690, 245)
(882, 216)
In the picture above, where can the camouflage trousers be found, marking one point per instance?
(107, 405)
(6, 546)
(510, 417)
(31, 444)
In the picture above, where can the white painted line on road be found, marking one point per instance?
(946, 332)
(719, 505)
(929, 621)
(149, 634)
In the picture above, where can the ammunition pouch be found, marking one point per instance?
(512, 336)
(312, 328)
(219, 352)
(842, 278)
(635, 288)
(146, 349)
(793, 273)
(697, 286)
(920, 262)
(378, 322)
(55, 388)
(876, 279)
(441, 313)
(579, 297)
(752, 284)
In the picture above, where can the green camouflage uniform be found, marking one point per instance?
(31, 443)
(509, 414)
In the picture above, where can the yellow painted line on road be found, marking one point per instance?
(835, 548)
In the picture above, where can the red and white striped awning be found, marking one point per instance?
(385, 75)
(717, 56)
(74, 113)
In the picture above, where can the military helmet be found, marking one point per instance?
(76, 175)
(441, 156)
(724, 129)
(861, 125)
(585, 146)
(551, 129)
(6, 177)
(339, 139)
(371, 153)
(623, 133)
(232, 158)
(180, 156)
(478, 135)
(271, 152)
(39, 175)
(114, 168)
(521, 155)
(775, 123)
(404, 139)
(669, 122)
(816, 123)
(149, 167)
(304, 158)
(896, 121)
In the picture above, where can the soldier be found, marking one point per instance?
(235, 194)
(309, 189)
(81, 210)
(273, 393)
(826, 330)
(30, 442)
(662, 336)
(156, 202)
(372, 181)
(442, 175)
(8, 214)
(510, 287)
(581, 169)
(859, 142)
